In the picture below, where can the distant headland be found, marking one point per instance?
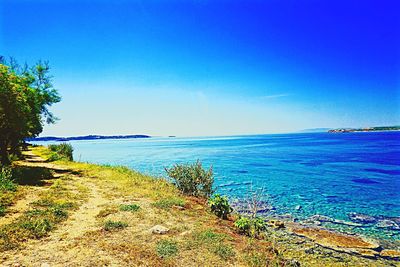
(368, 129)
(86, 137)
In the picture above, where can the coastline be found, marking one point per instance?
(306, 245)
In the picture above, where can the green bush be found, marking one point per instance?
(6, 180)
(250, 226)
(167, 248)
(220, 206)
(130, 207)
(192, 179)
(112, 225)
(63, 151)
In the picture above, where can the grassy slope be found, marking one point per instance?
(90, 216)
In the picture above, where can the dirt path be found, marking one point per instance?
(60, 248)
(22, 205)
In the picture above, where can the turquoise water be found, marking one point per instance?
(352, 177)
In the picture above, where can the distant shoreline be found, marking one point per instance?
(370, 129)
(87, 137)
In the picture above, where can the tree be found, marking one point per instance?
(25, 95)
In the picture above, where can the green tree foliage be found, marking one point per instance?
(25, 95)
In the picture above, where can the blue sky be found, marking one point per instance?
(211, 67)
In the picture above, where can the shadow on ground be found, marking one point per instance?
(37, 176)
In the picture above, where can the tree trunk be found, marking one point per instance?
(4, 160)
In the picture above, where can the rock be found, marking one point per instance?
(320, 218)
(388, 224)
(338, 241)
(159, 229)
(277, 224)
(361, 218)
(178, 207)
(390, 254)
(369, 253)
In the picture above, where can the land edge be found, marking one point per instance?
(349, 244)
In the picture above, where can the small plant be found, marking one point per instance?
(112, 225)
(220, 206)
(38, 227)
(192, 179)
(168, 203)
(6, 181)
(107, 211)
(61, 151)
(243, 224)
(250, 226)
(130, 207)
(167, 248)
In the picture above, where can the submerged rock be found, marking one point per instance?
(361, 218)
(388, 224)
(338, 241)
(318, 219)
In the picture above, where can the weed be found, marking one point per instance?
(130, 207)
(114, 225)
(167, 248)
(6, 181)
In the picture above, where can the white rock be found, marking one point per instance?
(159, 229)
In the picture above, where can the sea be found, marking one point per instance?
(349, 182)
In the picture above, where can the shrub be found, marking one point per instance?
(220, 206)
(63, 151)
(6, 181)
(112, 225)
(243, 224)
(250, 226)
(168, 203)
(130, 207)
(192, 179)
(167, 248)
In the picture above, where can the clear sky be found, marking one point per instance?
(211, 67)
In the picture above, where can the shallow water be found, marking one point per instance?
(324, 173)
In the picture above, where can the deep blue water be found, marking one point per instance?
(326, 174)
